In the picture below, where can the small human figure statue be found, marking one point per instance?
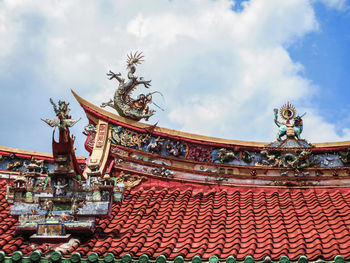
(141, 102)
(45, 230)
(174, 149)
(47, 182)
(29, 197)
(74, 205)
(74, 209)
(48, 206)
(59, 187)
(30, 183)
(96, 195)
(64, 217)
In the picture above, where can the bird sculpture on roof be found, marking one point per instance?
(64, 120)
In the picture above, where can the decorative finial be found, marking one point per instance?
(135, 59)
(291, 130)
(287, 111)
(64, 120)
(128, 107)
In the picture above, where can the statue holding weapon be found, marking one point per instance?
(287, 128)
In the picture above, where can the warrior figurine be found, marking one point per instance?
(287, 128)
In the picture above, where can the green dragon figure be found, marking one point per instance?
(225, 156)
(300, 160)
(123, 103)
(344, 156)
(270, 159)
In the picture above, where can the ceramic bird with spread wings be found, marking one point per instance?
(64, 120)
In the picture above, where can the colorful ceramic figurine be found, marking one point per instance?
(122, 102)
(287, 128)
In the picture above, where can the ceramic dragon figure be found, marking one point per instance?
(225, 156)
(301, 160)
(122, 102)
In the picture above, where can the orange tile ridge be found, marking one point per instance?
(165, 130)
(20, 151)
(193, 136)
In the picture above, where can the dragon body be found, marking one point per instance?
(225, 156)
(122, 102)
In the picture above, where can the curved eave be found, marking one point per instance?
(111, 117)
(25, 153)
(29, 154)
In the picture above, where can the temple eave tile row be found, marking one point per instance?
(93, 257)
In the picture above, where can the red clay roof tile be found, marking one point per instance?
(234, 221)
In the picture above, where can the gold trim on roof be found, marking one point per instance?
(165, 130)
(20, 151)
(15, 150)
(190, 135)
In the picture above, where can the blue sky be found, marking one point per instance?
(325, 56)
(221, 65)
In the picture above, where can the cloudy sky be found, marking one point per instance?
(222, 66)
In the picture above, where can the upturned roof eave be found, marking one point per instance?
(98, 112)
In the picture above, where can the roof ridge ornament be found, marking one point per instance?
(291, 130)
(123, 103)
(64, 120)
(287, 111)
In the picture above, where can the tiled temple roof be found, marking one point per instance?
(227, 222)
(183, 203)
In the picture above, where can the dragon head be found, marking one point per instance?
(134, 59)
(298, 119)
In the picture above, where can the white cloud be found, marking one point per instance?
(316, 129)
(337, 4)
(9, 30)
(222, 72)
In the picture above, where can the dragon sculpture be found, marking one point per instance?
(269, 159)
(301, 160)
(296, 160)
(122, 102)
(344, 156)
(291, 130)
(225, 156)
